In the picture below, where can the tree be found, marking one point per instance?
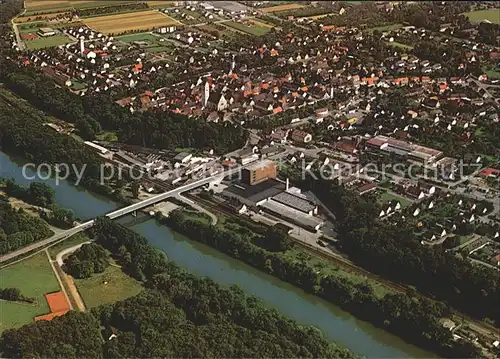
(88, 259)
(41, 194)
(135, 189)
(276, 239)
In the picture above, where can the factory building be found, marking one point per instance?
(259, 171)
(278, 200)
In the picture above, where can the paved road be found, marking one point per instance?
(193, 204)
(68, 279)
(118, 213)
(20, 42)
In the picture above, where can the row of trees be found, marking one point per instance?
(18, 228)
(415, 320)
(112, 8)
(88, 259)
(14, 295)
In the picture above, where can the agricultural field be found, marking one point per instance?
(40, 6)
(284, 7)
(52, 6)
(155, 43)
(44, 42)
(160, 3)
(55, 15)
(255, 30)
(108, 287)
(34, 277)
(121, 23)
(491, 15)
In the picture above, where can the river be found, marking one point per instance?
(336, 324)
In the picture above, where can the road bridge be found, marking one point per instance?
(116, 214)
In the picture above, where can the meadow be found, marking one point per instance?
(34, 277)
(491, 15)
(44, 42)
(255, 30)
(108, 287)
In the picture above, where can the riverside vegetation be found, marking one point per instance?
(178, 315)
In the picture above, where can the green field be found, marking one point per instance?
(119, 286)
(492, 15)
(399, 44)
(34, 277)
(41, 43)
(386, 197)
(385, 27)
(493, 74)
(252, 30)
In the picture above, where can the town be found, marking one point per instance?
(364, 133)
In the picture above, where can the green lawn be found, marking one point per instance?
(399, 44)
(385, 27)
(154, 43)
(493, 73)
(328, 268)
(252, 30)
(198, 216)
(119, 286)
(34, 277)
(108, 136)
(143, 36)
(70, 242)
(41, 42)
(77, 85)
(387, 197)
(492, 15)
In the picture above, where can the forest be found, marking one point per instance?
(23, 134)
(416, 320)
(179, 315)
(88, 259)
(38, 194)
(18, 228)
(96, 112)
(372, 244)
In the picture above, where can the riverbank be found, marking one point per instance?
(337, 325)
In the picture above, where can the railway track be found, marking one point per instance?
(483, 328)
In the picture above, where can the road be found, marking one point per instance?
(196, 206)
(485, 88)
(116, 214)
(68, 279)
(56, 273)
(20, 42)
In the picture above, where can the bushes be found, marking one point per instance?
(87, 260)
(14, 294)
(18, 229)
